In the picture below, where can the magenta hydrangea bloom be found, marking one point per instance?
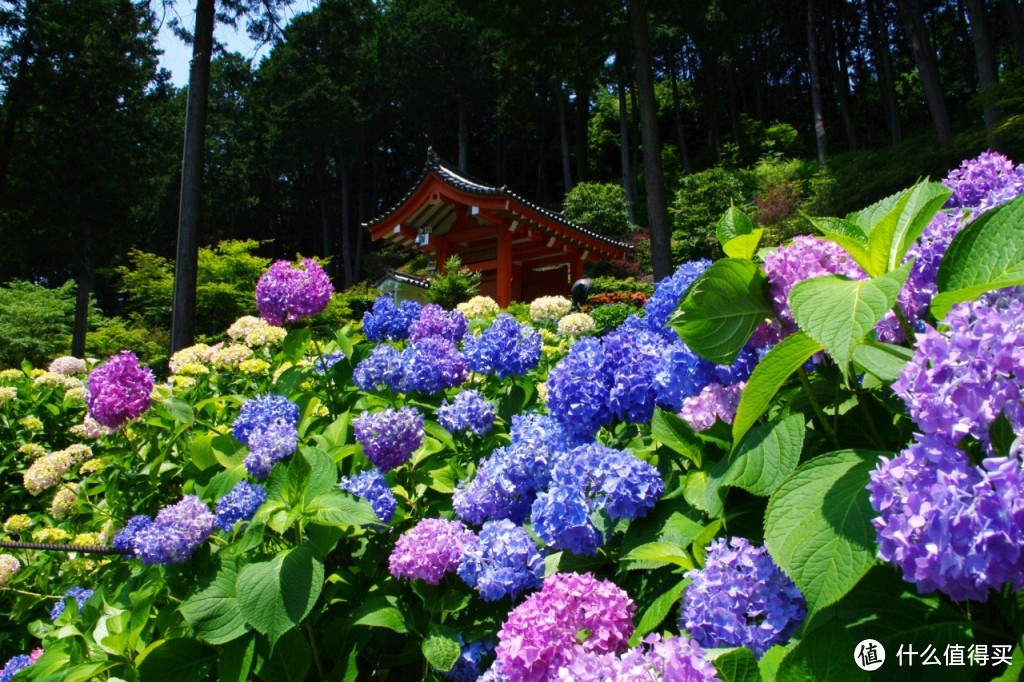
(543, 633)
(119, 390)
(948, 525)
(959, 380)
(740, 598)
(389, 437)
(429, 550)
(714, 402)
(674, 659)
(286, 293)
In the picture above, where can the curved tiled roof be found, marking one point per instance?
(466, 183)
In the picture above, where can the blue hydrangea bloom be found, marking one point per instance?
(434, 321)
(630, 362)
(625, 486)
(501, 560)
(125, 540)
(487, 496)
(330, 360)
(740, 598)
(667, 294)
(681, 374)
(259, 413)
(578, 389)
(468, 667)
(430, 365)
(80, 595)
(269, 446)
(561, 518)
(388, 322)
(381, 369)
(389, 437)
(13, 666)
(469, 411)
(506, 348)
(371, 486)
(240, 504)
(176, 533)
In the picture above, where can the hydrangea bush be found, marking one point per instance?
(779, 456)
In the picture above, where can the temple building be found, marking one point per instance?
(521, 249)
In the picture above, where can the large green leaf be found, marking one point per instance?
(177, 409)
(839, 313)
(768, 377)
(766, 456)
(213, 612)
(660, 553)
(722, 308)
(669, 429)
(883, 360)
(441, 647)
(737, 665)
(848, 235)
(176, 660)
(744, 246)
(825, 654)
(380, 612)
(733, 223)
(893, 223)
(335, 508)
(657, 611)
(818, 525)
(988, 254)
(276, 595)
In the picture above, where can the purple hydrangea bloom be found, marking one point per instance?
(506, 348)
(668, 293)
(125, 540)
(240, 504)
(948, 525)
(381, 369)
(286, 292)
(13, 666)
(119, 390)
(988, 180)
(434, 321)
(714, 402)
(960, 380)
(740, 598)
(616, 481)
(330, 360)
(672, 659)
(430, 365)
(429, 549)
(679, 374)
(261, 412)
(388, 322)
(80, 595)
(175, 533)
(371, 486)
(467, 668)
(389, 437)
(269, 446)
(468, 412)
(542, 634)
(501, 561)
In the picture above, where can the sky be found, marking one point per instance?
(177, 54)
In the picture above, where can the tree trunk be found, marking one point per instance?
(463, 139)
(928, 68)
(812, 55)
(346, 225)
(628, 183)
(326, 233)
(582, 126)
(677, 115)
(85, 281)
(711, 103)
(988, 72)
(883, 67)
(657, 210)
(186, 262)
(14, 98)
(563, 133)
(1016, 27)
(840, 75)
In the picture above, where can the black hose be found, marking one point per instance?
(88, 549)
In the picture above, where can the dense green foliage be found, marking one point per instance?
(598, 207)
(457, 284)
(35, 322)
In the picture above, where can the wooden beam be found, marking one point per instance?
(504, 282)
(483, 265)
(463, 235)
(550, 260)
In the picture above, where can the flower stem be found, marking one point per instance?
(819, 413)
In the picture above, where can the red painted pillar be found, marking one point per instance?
(440, 253)
(575, 269)
(504, 282)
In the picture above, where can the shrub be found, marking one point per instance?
(456, 285)
(608, 317)
(700, 201)
(598, 207)
(35, 322)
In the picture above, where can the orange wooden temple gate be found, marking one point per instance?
(522, 250)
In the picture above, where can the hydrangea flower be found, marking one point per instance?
(326, 362)
(576, 324)
(388, 322)
(381, 369)
(270, 445)
(430, 365)
(540, 634)
(469, 411)
(240, 504)
(630, 363)
(624, 486)
(80, 595)
(675, 659)
(467, 667)
(428, 550)
(667, 294)
(371, 486)
(9, 567)
(286, 292)
(434, 321)
(119, 390)
(260, 413)
(561, 519)
(740, 598)
(948, 525)
(479, 306)
(63, 501)
(389, 437)
(578, 389)
(506, 348)
(18, 663)
(714, 402)
(173, 536)
(501, 561)
(7, 394)
(985, 181)
(549, 309)
(256, 332)
(68, 365)
(960, 380)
